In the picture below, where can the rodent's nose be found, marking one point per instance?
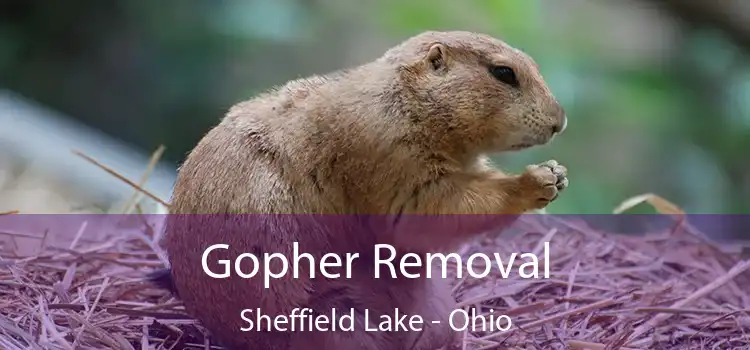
(560, 127)
(562, 120)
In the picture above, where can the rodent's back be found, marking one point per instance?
(326, 144)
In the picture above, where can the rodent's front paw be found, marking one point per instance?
(542, 183)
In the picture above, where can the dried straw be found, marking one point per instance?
(665, 290)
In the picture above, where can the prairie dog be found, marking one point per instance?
(407, 133)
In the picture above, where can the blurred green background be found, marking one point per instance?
(657, 92)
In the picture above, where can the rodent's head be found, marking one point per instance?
(478, 88)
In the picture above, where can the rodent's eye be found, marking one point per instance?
(504, 74)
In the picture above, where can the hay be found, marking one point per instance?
(667, 290)
(664, 291)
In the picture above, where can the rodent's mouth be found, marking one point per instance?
(520, 146)
(532, 141)
(529, 141)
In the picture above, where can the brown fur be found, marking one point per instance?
(406, 133)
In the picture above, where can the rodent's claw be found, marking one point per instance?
(544, 182)
(560, 172)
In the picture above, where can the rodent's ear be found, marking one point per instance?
(437, 56)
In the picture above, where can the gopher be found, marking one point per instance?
(407, 133)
